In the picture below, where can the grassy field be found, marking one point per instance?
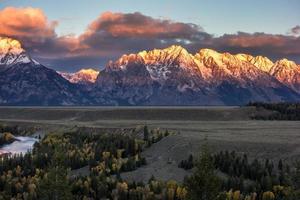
(86, 114)
(227, 128)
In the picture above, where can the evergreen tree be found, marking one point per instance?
(280, 165)
(146, 133)
(55, 184)
(297, 176)
(203, 184)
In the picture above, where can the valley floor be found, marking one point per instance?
(226, 128)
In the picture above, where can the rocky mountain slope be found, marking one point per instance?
(288, 73)
(170, 76)
(23, 81)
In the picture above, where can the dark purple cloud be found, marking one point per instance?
(118, 32)
(273, 46)
(295, 30)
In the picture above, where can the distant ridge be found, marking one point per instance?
(83, 76)
(170, 76)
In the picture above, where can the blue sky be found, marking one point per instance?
(216, 17)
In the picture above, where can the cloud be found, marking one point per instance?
(26, 23)
(295, 30)
(246, 40)
(35, 31)
(139, 25)
(135, 31)
(271, 45)
(112, 34)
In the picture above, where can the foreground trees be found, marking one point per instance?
(82, 165)
(242, 179)
(204, 183)
(55, 184)
(46, 172)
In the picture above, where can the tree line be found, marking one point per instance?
(281, 111)
(255, 180)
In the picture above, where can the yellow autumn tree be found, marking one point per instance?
(268, 196)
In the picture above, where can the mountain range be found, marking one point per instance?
(170, 76)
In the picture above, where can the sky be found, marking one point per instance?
(68, 35)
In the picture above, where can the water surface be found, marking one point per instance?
(22, 145)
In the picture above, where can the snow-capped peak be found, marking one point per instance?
(9, 45)
(11, 52)
(209, 53)
(176, 49)
(209, 56)
(173, 55)
(166, 56)
(244, 57)
(82, 76)
(288, 73)
(286, 63)
(261, 62)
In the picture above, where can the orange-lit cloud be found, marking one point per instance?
(135, 31)
(37, 34)
(275, 46)
(139, 25)
(25, 22)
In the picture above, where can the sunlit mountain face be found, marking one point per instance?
(173, 76)
(9, 45)
(83, 76)
(169, 76)
(142, 54)
(12, 53)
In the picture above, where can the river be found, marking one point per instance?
(22, 145)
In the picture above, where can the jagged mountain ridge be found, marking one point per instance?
(170, 76)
